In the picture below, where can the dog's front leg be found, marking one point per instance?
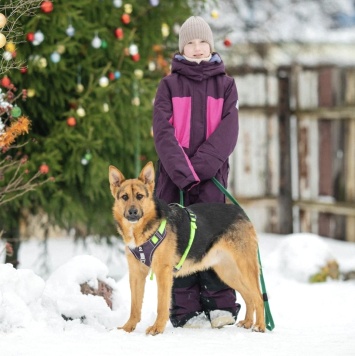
(164, 277)
(137, 277)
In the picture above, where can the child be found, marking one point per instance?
(195, 126)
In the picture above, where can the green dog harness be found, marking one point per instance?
(144, 252)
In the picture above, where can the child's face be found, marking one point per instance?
(197, 48)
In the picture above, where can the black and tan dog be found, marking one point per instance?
(157, 234)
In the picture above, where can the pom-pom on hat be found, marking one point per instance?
(195, 27)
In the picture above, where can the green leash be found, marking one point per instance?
(270, 325)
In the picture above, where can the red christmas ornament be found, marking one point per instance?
(5, 82)
(44, 169)
(23, 70)
(126, 19)
(227, 42)
(30, 37)
(136, 57)
(111, 75)
(47, 7)
(119, 33)
(71, 121)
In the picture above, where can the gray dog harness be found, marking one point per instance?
(144, 252)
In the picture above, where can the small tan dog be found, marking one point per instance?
(156, 236)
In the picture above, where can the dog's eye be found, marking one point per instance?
(139, 196)
(125, 197)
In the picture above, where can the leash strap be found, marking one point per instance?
(270, 325)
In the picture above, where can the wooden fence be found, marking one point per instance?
(294, 166)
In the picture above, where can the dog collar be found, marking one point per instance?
(144, 252)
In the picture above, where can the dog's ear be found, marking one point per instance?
(147, 175)
(116, 178)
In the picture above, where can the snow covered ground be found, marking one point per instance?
(310, 319)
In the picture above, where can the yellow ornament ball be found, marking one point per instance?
(138, 73)
(79, 88)
(2, 40)
(3, 20)
(31, 92)
(165, 30)
(61, 49)
(128, 8)
(10, 47)
(42, 62)
(214, 14)
(136, 101)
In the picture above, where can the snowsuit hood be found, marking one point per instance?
(197, 71)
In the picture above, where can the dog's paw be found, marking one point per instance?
(128, 327)
(259, 328)
(247, 324)
(155, 330)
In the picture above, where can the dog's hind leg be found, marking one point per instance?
(248, 287)
(240, 270)
(231, 276)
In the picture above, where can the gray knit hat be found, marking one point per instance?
(195, 27)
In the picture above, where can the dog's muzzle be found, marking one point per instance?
(133, 214)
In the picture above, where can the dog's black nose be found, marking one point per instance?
(133, 211)
(133, 214)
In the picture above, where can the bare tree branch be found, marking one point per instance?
(13, 31)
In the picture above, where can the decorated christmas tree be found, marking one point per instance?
(90, 69)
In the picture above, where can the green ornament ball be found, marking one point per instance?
(88, 156)
(16, 112)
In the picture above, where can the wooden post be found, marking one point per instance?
(284, 117)
(350, 178)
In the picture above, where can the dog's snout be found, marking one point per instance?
(133, 211)
(133, 214)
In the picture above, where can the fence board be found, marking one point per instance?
(350, 86)
(308, 158)
(250, 158)
(252, 90)
(325, 161)
(307, 89)
(350, 175)
(322, 139)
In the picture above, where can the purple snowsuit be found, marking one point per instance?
(195, 127)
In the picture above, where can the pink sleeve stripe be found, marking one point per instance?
(181, 120)
(213, 114)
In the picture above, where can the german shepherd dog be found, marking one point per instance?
(225, 240)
